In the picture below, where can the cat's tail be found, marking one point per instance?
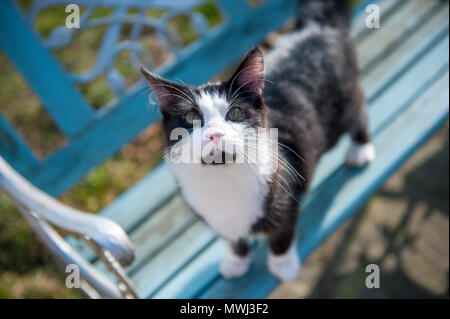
(335, 13)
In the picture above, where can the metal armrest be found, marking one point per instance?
(106, 238)
(102, 231)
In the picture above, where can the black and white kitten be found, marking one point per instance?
(309, 92)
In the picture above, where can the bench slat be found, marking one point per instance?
(167, 264)
(167, 224)
(406, 20)
(405, 54)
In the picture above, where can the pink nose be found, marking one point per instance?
(215, 137)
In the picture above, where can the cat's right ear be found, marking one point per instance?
(166, 91)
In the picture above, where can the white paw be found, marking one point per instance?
(360, 155)
(285, 267)
(233, 266)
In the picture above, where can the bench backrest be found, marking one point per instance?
(94, 135)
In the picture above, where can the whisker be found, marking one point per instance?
(175, 88)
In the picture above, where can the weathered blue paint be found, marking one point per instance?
(14, 150)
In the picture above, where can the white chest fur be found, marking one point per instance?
(229, 197)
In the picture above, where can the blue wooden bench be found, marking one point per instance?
(404, 75)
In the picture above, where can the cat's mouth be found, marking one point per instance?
(219, 158)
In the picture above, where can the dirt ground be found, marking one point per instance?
(404, 229)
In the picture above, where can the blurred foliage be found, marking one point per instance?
(26, 268)
(25, 113)
(87, 42)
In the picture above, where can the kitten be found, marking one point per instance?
(241, 181)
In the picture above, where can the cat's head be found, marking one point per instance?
(210, 121)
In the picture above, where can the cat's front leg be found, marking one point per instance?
(283, 261)
(361, 151)
(236, 261)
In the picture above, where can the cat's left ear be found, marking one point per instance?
(168, 93)
(250, 74)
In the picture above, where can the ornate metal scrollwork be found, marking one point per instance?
(111, 44)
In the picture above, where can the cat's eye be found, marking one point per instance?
(191, 116)
(235, 114)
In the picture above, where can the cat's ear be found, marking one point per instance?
(167, 92)
(250, 74)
